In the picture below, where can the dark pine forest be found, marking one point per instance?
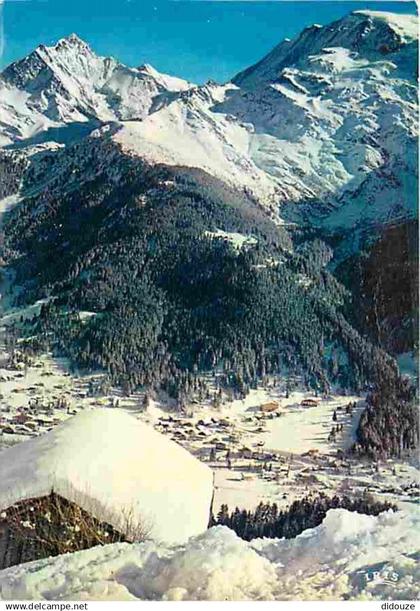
(173, 305)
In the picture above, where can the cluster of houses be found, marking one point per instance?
(35, 418)
(220, 441)
(24, 423)
(226, 442)
(209, 432)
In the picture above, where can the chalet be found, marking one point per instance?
(267, 408)
(23, 430)
(180, 435)
(31, 424)
(20, 418)
(224, 422)
(246, 452)
(309, 403)
(43, 420)
(9, 430)
(104, 468)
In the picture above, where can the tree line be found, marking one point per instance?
(267, 520)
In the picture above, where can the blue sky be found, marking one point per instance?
(193, 39)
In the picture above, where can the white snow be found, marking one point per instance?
(329, 116)
(334, 561)
(404, 25)
(187, 132)
(238, 240)
(108, 457)
(301, 429)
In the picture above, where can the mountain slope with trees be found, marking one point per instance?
(170, 301)
(151, 217)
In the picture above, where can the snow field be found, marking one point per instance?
(334, 561)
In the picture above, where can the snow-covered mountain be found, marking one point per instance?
(327, 120)
(322, 132)
(335, 115)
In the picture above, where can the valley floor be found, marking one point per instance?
(256, 456)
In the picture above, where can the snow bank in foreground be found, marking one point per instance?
(116, 468)
(336, 560)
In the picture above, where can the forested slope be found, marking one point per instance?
(142, 283)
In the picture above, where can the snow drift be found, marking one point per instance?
(349, 556)
(115, 467)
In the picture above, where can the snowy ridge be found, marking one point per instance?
(68, 83)
(405, 26)
(120, 464)
(188, 132)
(334, 561)
(363, 32)
(334, 113)
(324, 128)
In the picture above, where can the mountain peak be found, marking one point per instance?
(73, 41)
(405, 26)
(369, 34)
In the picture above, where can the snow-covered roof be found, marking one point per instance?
(107, 461)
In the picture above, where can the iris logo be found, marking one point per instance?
(383, 576)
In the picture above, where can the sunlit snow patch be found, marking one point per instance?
(238, 240)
